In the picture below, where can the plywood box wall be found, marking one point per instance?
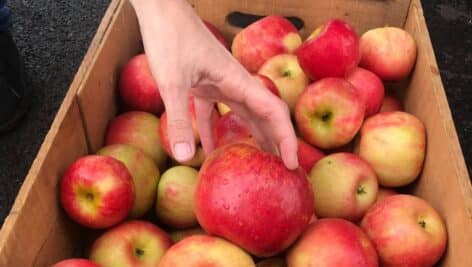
(38, 233)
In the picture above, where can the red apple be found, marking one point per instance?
(333, 242)
(230, 128)
(383, 193)
(344, 186)
(272, 262)
(175, 197)
(97, 191)
(287, 75)
(241, 191)
(329, 113)
(178, 235)
(144, 172)
(76, 263)
(138, 129)
(394, 144)
(330, 51)
(370, 89)
(218, 35)
(308, 155)
(391, 103)
(406, 231)
(137, 87)
(223, 108)
(131, 244)
(204, 250)
(264, 39)
(389, 52)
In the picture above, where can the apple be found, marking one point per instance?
(344, 186)
(308, 155)
(175, 197)
(406, 231)
(97, 191)
(370, 88)
(205, 250)
(383, 193)
(218, 35)
(332, 50)
(178, 235)
(268, 84)
(263, 39)
(250, 198)
(287, 75)
(144, 172)
(389, 52)
(272, 262)
(333, 242)
(230, 128)
(137, 87)
(394, 144)
(138, 129)
(131, 244)
(329, 113)
(76, 263)
(391, 103)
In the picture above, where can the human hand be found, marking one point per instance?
(185, 60)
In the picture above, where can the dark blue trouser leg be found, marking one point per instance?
(5, 16)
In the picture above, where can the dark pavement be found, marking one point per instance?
(53, 37)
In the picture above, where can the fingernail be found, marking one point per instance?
(182, 151)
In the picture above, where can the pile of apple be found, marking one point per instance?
(239, 205)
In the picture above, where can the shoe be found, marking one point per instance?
(15, 97)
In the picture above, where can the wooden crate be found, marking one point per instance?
(38, 233)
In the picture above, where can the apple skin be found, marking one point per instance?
(389, 52)
(383, 193)
(230, 128)
(394, 144)
(76, 263)
(235, 177)
(331, 51)
(97, 191)
(344, 186)
(264, 39)
(138, 129)
(144, 172)
(287, 75)
(217, 33)
(391, 103)
(131, 244)
(205, 250)
(333, 242)
(175, 197)
(329, 113)
(406, 231)
(268, 84)
(370, 88)
(178, 235)
(308, 155)
(137, 87)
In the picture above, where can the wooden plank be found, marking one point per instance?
(362, 14)
(445, 182)
(97, 95)
(37, 232)
(36, 220)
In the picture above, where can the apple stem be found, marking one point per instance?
(286, 73)
(89, 196)
(139, 252)
(422, 223)
(361, 190)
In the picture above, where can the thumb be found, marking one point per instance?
(179, 125)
